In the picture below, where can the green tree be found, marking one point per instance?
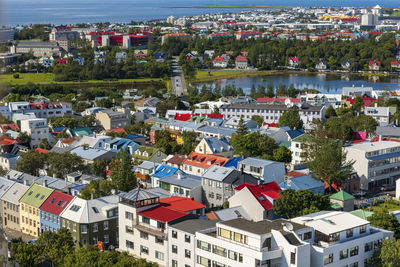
(122, 174)
(327, 161)
(163, 141)
(98, 167)
(330, 112)
(282, 154)
(270, 90)
(385, 220)
(298, 203)
(61, 164)
(31, 162)
(241, 128)
(388, 255)
(44, 144)
(291, 118)
(96, 189)
(258, 119)
(358, 104)
(189, 142)
(26, 255)
(24, 137)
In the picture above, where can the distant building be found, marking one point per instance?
(6, 35)
(114, 118)
(241, 63)
(39, 49)
(37, 129)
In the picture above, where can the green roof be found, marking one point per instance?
(36, 195)
(286, 144)
(342, 196)
(81, 131)
(303, 138)
(363, 214)
(336, 206)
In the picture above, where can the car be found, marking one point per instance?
(387, 187)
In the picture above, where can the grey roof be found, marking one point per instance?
(37, 44)
(148, 165)
(91, 153)
(17, 175)
(232, 213)
(138, 194)
(185, 180)
(218, 145)
(217, 173)
(5, 184)
(15, 193)
(261, 227)
(271, 106)
(60, 150)
(193, 225)
(225, 131)
(391, 131)
(161, 193)
(256, 162)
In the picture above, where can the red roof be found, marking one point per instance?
(278, 99)
(177, 159)
(56, 202)
(294, 59)
(263, 193)
(41, 150)
(163, 214)
(241, 58)
(117, 130)
(368, 101)
(62, 61)
(7, 141)
(204, 160)
(186, 117)
(248, 32)
(219, 59)
(220, 34)
(9, 126)
(294, 174)
(184, 204)
(372, 62)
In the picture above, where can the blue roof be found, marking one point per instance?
(78, 187)
(164, 171)
(59, 129)
(219, 145)
(301, 182)
(295, 133)
(233, 162)
(134, 136)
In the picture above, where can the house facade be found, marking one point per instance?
(10, 206)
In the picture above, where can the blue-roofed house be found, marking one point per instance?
(80, 60)
(139, 139)
(160, 56)
(118, 143)
(183, 185)
(58, 129)
(161, 172)
(233, 162)
(90, 155)
(215, 145)
(305, 182)
(292, 134)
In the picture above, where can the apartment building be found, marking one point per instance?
(298, 147)
(39, 49)
(92, 221)
(219, 183)
(51, 209)
(334, 100)
(341, 239)
(381, 114)
(10, 206)
(266, 170)
(182, 241)
(30, 204)
(114, 118)
(240, 242)
(37, 129)
(272, 112)
(42, 109)
(376, 163)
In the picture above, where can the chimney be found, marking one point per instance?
(69, 191)
(54, 175)
(26, 182)
(92, 195)
(179, 176)
(45, 183)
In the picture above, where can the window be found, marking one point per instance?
(354, 251)
(74, 227)
(344, 254)
(105, 225)
(292, 258)
(174, 263)
(159, 240)
(144, 235)
(128, 215)
(363, 229)
(187, 253)
(307, 235)
(174, 249)
(224, 233)
(128, 229)
(232, 255)
(219, 251)
(145, 220)
(203, 261)
(95, 210)
(204, 245)
(95, 240)
(84, 229)
(144, 250)
(95, 227)
(354, 264)
(129, 244)
(159, 255)
(328, 259)
(187, 238)
(174, 234)
(349, 233)
(368, 246)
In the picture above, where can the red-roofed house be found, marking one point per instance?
(374, 65)
(241, 63)
(286, 100)
(244, 35)
(184, 204)
(8, 126)
(293, 62)
(176, 161)
(256, 200)
(368, 101)
(220, 62)
(41, 150)
(51, 209)
(197, 163)
(61, 61)
(395, 64)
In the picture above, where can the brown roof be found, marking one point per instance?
(177, 159)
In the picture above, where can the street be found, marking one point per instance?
(178, 85)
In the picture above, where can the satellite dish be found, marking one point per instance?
(287, 226)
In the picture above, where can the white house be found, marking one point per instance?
(37, 129)
(380, 114)
(267, 170)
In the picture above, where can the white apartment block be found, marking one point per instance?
(41, 109)
(334, 100)
(377, 163)
(298, 147)
(380, 114)
(342, 239)
(266, 170)
(37, 129)
(272, 112)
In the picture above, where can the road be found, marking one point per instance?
(178, 84)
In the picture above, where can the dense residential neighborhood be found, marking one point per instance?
(136, 144)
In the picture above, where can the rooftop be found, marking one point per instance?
(193, 225)
(163, 214)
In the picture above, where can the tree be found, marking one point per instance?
(291, 118)
(330, 112)
(388, 255)
(385, 220)
(282, 154)
(298, 203)
(24, 137)
(31, 162)
(326, 160)
(62, 135)
(258, 119)
(122, 174)
(189, 142)
(163, 141)
(61, 164)
(26, 255)
(96, 189)
(98, 167)
(44, 144)
(241, 129)
(254, 144)
(270, 90)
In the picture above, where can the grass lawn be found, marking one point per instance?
(392, 205)
(203, 75)
(25, 78)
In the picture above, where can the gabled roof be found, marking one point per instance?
(218, 145)
(177, 159)
(56, 202)
(14, 193)
(203, 160)
(184, 180)
(36, 195)
(264, 193)
(5, 185)
(301, 182)
(163, 214)
(342, 196)
(184, 204)
(233, 162)
(164, 171)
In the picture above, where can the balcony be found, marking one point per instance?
(147, 228)
(142, 176)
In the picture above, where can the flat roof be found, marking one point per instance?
(372, 146)
(193, 225)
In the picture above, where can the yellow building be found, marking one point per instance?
(30, 204)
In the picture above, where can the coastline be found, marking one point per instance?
(238, 6)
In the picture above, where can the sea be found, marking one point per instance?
(25, 12)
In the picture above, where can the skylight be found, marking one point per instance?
(59, 203)
(52, 201)
(42, 197)
(30, 193)
(63, 205)
(37, 195)
(16, 191)
(261, 198)
(95, 210)
(75, 208)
